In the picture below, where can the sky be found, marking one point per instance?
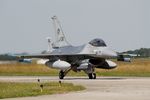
(122, 24)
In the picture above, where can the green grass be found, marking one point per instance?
(11, 89)
(138, 67)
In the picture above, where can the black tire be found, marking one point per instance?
(94, 75)
(61, 75)
(90, 76)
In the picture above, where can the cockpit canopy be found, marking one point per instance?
(98, 43)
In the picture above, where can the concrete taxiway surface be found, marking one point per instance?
(103, 88)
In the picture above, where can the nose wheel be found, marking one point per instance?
(61, 75)
(92, 75)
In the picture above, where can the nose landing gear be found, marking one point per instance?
(92, 75)
(61, 75)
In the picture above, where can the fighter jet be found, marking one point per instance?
(66, 57)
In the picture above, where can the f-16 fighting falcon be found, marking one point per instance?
(65, 57)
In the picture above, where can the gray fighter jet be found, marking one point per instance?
(66, 57)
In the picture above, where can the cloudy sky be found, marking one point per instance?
(25, 24)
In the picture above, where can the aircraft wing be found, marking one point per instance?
(58, 56)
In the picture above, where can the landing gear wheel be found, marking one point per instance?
(90, 76)
(61, 75)
(94, 75)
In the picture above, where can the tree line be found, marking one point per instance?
(143, 52)
(4, 57)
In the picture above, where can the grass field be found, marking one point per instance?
(138, 67)
(9, 90)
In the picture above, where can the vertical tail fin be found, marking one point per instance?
(59, 34)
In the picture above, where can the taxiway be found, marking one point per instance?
(103, 88)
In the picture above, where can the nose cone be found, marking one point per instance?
(108, 53)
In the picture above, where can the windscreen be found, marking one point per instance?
(97, 43)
